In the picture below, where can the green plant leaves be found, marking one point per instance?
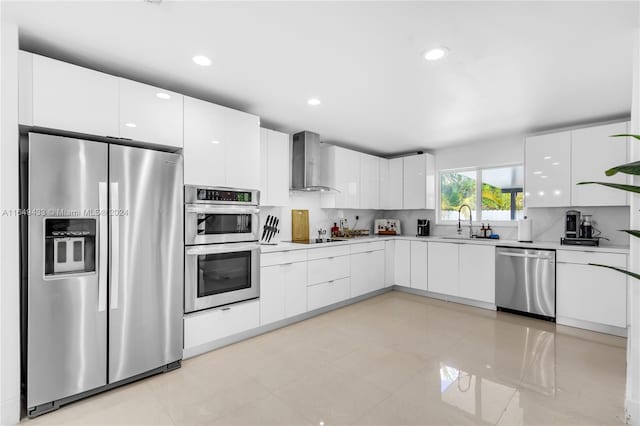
(625, 135)
(629, 169)
(631, 232)
(628, 188)
(631, 274)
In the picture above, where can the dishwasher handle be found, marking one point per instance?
(525, 255)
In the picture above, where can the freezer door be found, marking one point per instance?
(66, 267)
(146, 280)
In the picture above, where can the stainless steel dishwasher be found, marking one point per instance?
(526, 281)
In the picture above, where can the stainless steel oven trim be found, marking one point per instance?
(191, 195)
(191, 236)
(194, 303)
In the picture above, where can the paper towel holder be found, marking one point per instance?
(524, 230)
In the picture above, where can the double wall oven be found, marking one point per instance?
(222, 252)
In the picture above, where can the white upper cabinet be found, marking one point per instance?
(204, 152)
(67, 97)
(592, 152)
(274, 168)
(343, 174)
(221, 146)
(391, 183)
(150, 114)
(369, 182)
(548, 170)
(419, 182)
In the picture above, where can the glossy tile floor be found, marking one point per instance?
(396, 359)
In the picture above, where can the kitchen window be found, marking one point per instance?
(494, 194)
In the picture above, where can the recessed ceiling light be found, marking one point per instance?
(314, 102)
(215, 142)
(163, 95)
(548, 157)
(436, 53)
(130, 124)
(202, 60)
(537, 172)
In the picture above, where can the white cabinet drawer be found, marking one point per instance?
(365, 247)
(209, 326)
(585, 257)
(331, 268)
(328, 293)
(326, 252)
(282, 257)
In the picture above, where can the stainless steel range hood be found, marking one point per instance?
(308, 163)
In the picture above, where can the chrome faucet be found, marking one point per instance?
(470, 220)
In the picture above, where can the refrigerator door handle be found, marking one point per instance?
(115, 245)
(103, 237)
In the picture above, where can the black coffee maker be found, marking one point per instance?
(424, 226)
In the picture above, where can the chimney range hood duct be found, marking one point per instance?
(308, 168)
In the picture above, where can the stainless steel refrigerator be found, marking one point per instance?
(102, 266)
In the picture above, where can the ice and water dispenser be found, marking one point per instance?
(69, 246)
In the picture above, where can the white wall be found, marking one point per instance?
(9, 266)
(633, 342)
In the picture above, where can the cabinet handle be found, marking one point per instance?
(286, 264)
(225, 309)
(330, 258)
(331, 282)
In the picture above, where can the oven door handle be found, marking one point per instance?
(199, 208)
(220, 248)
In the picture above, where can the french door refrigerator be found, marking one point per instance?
(102, 267)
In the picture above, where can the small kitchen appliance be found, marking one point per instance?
(578, 231)
(423, 228)
(572, 224)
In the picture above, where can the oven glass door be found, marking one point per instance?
(220, 274)
(223, 272)
(215, 224)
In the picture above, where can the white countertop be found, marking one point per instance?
(287, 246)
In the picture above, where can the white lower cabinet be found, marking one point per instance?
(367, 272)
(209, 326)
(389, 263)
(402, 263)
(283, 291)
(327, 269)
(419, 273)
(443, 268)
(477, 272)
(590, 293)
(328, 293)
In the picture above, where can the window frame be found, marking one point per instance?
(478, 210)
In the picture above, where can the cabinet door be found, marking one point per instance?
(370, 182)
(419, 274)
(376, 268)
(443, 268)
(272, 291)
(346, 171)
(402, 263)
(590, 293)
(430, 173)
(359, 274)
(389, 263)
(396, 184)
(295, 291)
(477, 272)
(384, 188)
(72, 98)
(150, 114)
(242, 155)
(548, 170)
(415, 182)
(204, 147)
(264, 168)
(278, 168)
(592, 152)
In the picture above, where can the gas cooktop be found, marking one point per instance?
(316, 241)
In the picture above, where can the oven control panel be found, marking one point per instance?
(213, 195)
(219, 195)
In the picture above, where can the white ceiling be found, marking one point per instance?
(514, 67)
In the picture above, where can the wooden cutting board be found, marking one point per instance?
(299, 225)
